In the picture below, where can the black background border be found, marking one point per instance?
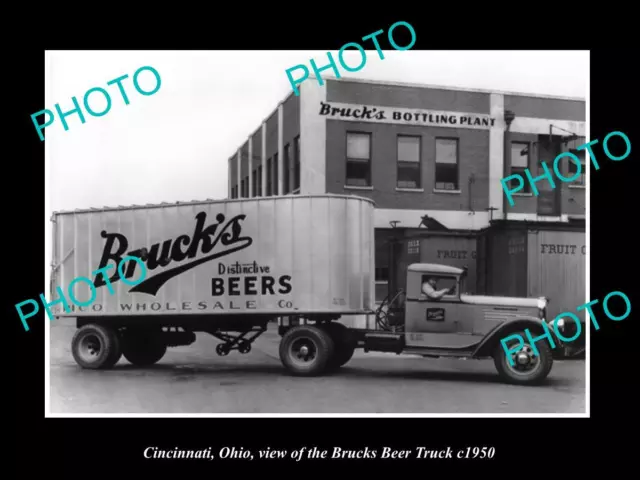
(79, 447)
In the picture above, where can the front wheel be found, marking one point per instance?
(306, 350)
(523, 367)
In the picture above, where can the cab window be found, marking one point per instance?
(442, 282)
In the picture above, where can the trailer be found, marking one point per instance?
(159, 274)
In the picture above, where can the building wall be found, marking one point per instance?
(541, 107)
(473, 151)
(406, 96)
(280, 129)
(481, 149)
(501, 260)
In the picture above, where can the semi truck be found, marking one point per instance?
(231, 268)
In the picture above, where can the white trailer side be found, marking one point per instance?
(274, 255)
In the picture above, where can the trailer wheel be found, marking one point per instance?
(143, 349)
(528, 369)
(306, 350)
(96, 347)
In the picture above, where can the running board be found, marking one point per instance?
(437, 352)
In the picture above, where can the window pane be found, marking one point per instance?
(446, 151)
(358, 145)
(274, 186)
(513, 183)
(296, 170)
(269, 177)
(518, 158)
(573, 168)
(287, 168)
(358, 174)
(408, 149)
(382, 274)
(446, 177)
(408, 175)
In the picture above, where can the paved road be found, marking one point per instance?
(194, 379)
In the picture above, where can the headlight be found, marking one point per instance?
(560, 323)
(542, 308)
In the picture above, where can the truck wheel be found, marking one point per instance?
(342, 355)
(344, 346)
(306, 350)
(96, 347)
(527, 369)
(143, 350)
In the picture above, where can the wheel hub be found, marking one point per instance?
(524, 362)
(522, 358)
(89, 348)
(304, 351)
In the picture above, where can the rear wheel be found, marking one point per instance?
(522, 366)
(344, 346)
(143, 348)
(306, 350)
(96, 347)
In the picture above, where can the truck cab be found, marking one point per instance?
(452, 323)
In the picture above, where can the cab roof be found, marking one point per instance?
(435, 268)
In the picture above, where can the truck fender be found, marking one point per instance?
(488, 344)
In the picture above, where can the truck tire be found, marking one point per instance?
(534, 368)
(341, 357)
(344, 346)
(96, 347)
(143, 348)
(306, 350)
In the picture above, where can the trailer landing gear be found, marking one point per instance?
(239, 342)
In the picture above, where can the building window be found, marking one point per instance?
(520, 162)
(408, 162)
(269, 176)
(573, 168)
(243, 191)
(447, 164)
(286, 166)
(254, 174)
(296, 163)
(246, 186)
(382, 269)
(358, 159)
(258, 186)
(382, 274)
(275, 187)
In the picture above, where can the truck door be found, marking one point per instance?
(436, 323)
(425, 315)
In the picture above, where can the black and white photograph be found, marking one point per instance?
(303, 233)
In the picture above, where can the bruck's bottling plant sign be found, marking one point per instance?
(404, 116)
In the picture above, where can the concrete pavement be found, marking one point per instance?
(194, 379)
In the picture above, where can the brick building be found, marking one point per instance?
(432, 159)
